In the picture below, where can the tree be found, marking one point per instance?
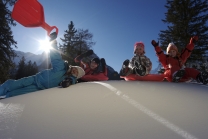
(186, 18)
(21, 68)
(75, 42)
(25, 70)
(6, 40)
(68, 43)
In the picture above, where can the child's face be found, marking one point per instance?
(74, 72)
(93, 65)
(139, 49)
(172, 53)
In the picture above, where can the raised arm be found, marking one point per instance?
(159, 52)
(188, 49)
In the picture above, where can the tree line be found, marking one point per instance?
(184, 19)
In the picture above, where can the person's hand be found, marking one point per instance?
(194, 39)
(53, 36)
(126, 63)
(87, 53)
(66, 82)
(154, 43)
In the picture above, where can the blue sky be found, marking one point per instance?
(115, 24)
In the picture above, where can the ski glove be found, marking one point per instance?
(85, 54)
(67, 82)
(53, 36)
(194, 39)
(154, 43)
(126, 63)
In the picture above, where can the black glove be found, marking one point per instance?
(154, 43)
(88, 53)
(85, 54)
(139, 69)
(103, 64)
(126, 63)
(66, 82)
(53, 36)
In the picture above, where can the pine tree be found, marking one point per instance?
(68, 43)
(21, 68)
(6, 40)
(34, 69)
(186, 18)
(75, 42)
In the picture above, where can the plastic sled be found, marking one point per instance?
(30, 13)
(149, 77)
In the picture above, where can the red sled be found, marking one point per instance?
(30, 13)
(149, 77)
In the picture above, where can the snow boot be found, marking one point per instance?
(202, 77)
(178, 75)
(140, 69)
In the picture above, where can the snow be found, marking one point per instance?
(108, 109)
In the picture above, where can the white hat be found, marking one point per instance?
(171, 46)
(81, 72)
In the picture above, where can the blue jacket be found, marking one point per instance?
(43, 80)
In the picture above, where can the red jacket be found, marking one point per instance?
(171, 64)
(92, 75)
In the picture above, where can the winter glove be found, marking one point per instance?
(139, 69)
(67, 82)
(85, 54)
(154, 43)
(53, 36)
(194, 39)
(103, 64)
(126, 63)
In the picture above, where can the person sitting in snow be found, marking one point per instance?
(173, 63)
(60, 74)
(139, 64)
(95, 68)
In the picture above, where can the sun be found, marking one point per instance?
(44, 45)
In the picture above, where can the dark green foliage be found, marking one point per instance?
(6, 40)
(25, 70)
(75, 42)
(184, 19)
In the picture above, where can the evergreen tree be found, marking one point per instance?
(34, 69)
(75, 42)
(6, 40)
(186, 18)
(68, 43)
(21, 68)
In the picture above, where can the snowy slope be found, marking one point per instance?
(108, 110)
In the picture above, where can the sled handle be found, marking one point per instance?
(49, 28)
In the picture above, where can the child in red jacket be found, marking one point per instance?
(95, 69)
(173, 63)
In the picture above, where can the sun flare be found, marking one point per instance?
(45, 45)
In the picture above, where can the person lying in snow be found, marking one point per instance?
(60, 74)
(95, 68)
(139, 64)
(173, 63)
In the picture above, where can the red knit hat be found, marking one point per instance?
(138, 44)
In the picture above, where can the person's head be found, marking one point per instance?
(139, 48)
(95, 62)
(76, 71)
(172, 50)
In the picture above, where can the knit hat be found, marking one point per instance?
(96, 60)
(138, 44)
(171, 46)
(81, 72)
